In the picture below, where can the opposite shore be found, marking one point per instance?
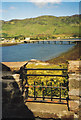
(33, 41)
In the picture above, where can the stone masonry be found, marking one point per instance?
(14, 102)
(74, 72)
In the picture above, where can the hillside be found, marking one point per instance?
(46, 25)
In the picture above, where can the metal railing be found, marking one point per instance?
(44, 98)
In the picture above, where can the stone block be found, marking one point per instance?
(72, 97)
(74, 84)
(74, 66)
(66, 115)
(74, 106)
(78, 71)
(75, 92)
(63, 115)
(80, 113)
(75, 76)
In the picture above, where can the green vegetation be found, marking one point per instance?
(46, 81)
(43, 27)
(42, 37)
(4, 34)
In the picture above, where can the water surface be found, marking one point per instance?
(24, 52)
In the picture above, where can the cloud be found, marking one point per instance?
(41, 3)
(40, 0)
(46, 1)
(12, 8)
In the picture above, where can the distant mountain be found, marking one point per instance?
(66, 25)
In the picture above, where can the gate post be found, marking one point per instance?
(74, 73)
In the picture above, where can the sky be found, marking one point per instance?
(21, 10)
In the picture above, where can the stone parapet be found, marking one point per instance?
(74, 67)
(74, 73)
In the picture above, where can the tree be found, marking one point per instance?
(4, 35)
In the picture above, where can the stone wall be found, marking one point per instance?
(0, 91)
(74, 72)
(13, 101)
(13, 106)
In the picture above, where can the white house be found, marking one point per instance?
(58, 37)
(28, 38)
(13, 40)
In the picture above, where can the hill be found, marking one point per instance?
(42, 25)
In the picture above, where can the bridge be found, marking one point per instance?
(59, 41)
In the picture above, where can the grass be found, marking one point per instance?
(42, 25)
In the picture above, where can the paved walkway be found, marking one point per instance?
(47, 110)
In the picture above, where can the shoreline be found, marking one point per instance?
(31, 41)
(8, 44)
(73, 53)
(61, 53)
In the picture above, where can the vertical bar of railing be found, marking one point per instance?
(51, 91)
(67, 99)
(26, 78)
(26, 93)
(21, 77)
(26, 83)
(34, 91)
(60, 92)
(43, 90)
(46, 88)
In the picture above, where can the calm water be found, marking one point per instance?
(24, 52)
